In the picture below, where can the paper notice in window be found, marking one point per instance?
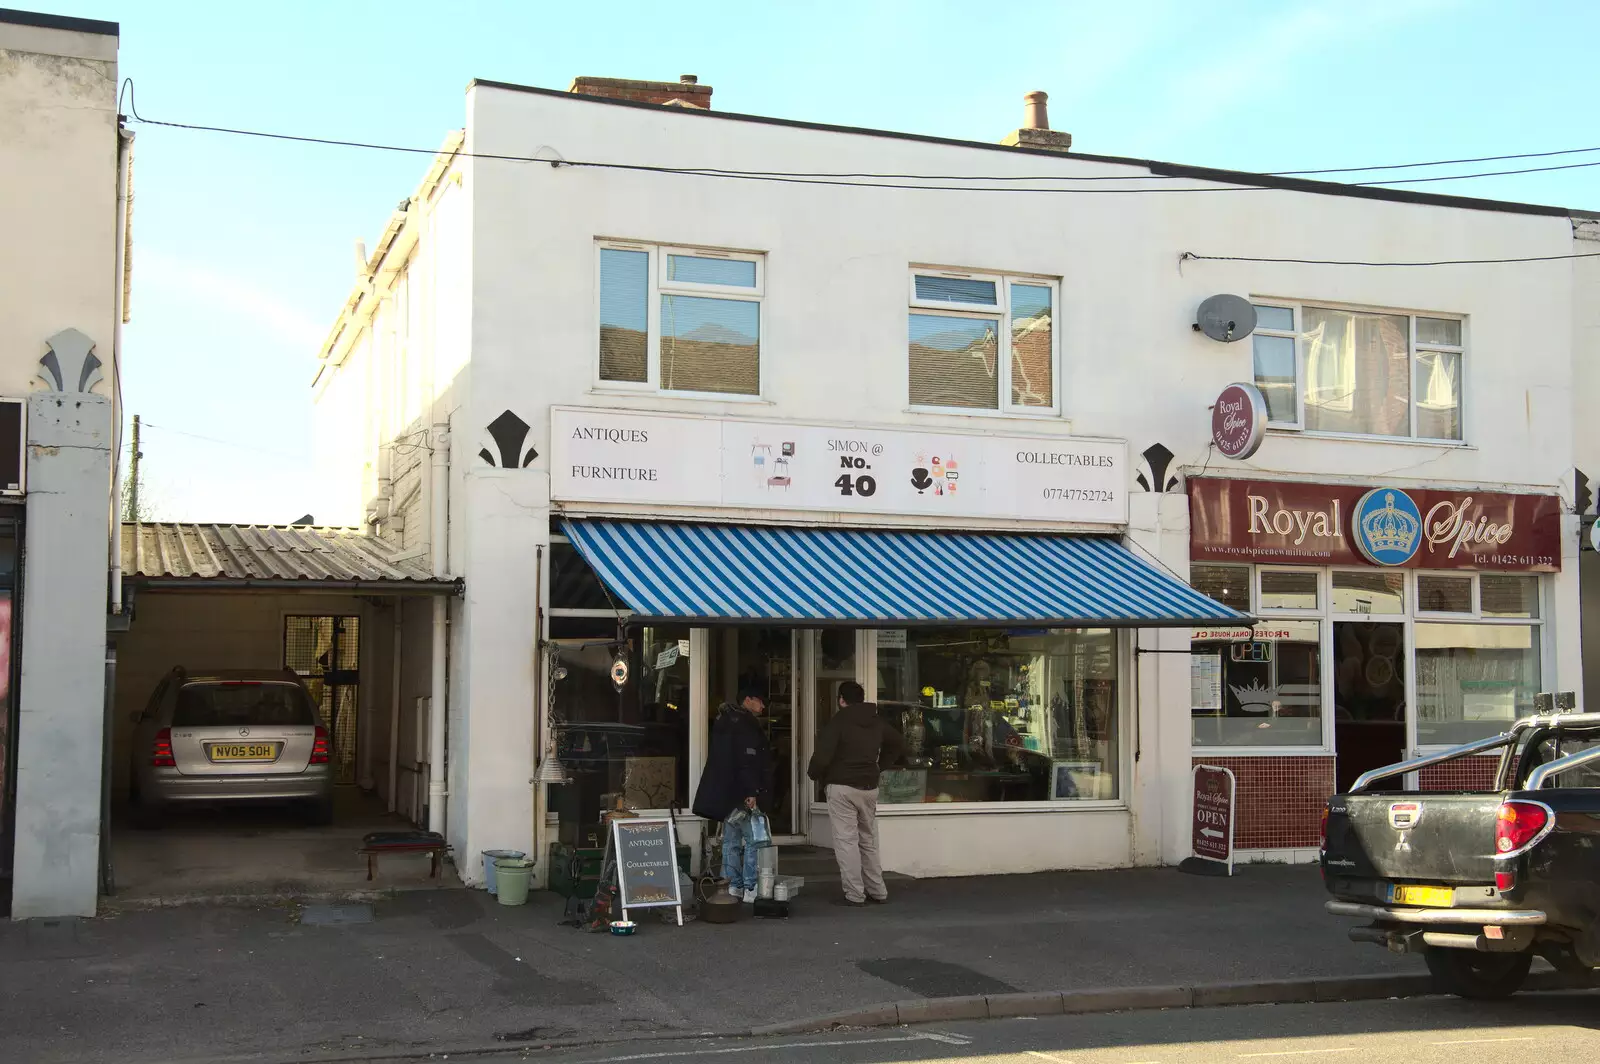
(1205, 681)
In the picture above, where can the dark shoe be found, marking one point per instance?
(878, 901)
(848, 904)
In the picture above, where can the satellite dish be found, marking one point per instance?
(1225, 318)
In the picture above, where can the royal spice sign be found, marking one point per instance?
(1293, 523)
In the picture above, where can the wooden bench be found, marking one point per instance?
(381, 843)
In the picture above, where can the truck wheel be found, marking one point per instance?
(1470, 974)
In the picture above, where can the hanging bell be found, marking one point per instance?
(551, 771)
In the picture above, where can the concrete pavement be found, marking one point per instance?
(450, 970)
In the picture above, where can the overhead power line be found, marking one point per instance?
(1189, 256)
(898, 181)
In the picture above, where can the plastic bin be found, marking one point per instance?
(512, 875)
(489, 858)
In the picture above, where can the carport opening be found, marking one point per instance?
(364, 659)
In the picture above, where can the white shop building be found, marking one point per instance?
(940, 442)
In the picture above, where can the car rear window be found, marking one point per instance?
(242, 705)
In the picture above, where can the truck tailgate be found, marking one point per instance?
(1444, 838)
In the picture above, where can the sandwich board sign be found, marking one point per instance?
(647, 864)
(1214, 803)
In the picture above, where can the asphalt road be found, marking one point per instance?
(1548, 1028)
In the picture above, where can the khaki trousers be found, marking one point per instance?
(854, 814)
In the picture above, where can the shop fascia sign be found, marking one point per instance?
(1294, 523)
(621, 456)
(1239, 421)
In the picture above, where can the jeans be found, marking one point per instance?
(739, 855)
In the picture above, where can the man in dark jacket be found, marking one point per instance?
(737, 779)
(853, 748)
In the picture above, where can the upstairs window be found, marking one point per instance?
(983, 342)
(680, 319)
(1360, 372)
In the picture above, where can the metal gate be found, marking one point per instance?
(326, 653)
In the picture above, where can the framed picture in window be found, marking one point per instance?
(1070, 780)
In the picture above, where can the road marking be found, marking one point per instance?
(1300, 1052)
(947, 1039)
(664, 1055)
(1479, 1041)
(1048, 1056)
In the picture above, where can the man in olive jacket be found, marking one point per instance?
(851, 750)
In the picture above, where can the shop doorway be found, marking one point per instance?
(1369, 697)
(764, 659)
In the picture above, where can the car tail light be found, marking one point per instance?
(161, 750)
(319, 747)
(1519, 826)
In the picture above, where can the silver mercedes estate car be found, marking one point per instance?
(230, 737)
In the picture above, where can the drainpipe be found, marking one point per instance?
(440, 529)
(124, 154)
(394, 704)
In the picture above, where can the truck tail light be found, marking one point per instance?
(161, 750)
(1519, 825)
(319, 747)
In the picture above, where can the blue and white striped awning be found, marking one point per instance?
(731, 573)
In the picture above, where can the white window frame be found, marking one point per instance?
(1287, 611)
(1476, 618)
(1408, 619)
(1297, 335)
(658, 286)
(1001, 311)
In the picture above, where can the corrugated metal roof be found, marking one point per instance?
(269, 556)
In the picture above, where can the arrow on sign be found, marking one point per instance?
(1211, 833)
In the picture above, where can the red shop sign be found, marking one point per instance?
(1211, 835)
(1239, 421)
(1296, 523)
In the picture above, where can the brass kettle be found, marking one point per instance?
(717, 906)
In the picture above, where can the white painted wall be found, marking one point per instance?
(834, 350)
(59, 153)
(58, 187)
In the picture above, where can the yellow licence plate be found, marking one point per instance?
(242, 751)
(1440, 897)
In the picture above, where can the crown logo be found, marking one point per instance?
(1390, 529)
(1255, 697)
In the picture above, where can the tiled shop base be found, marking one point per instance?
(1465, 774)
(1280, 799)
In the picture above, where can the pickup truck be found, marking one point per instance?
(1478, 882)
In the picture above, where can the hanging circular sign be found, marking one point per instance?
(1594, 535)
(619, 672)
(1239, 421)
(1386, 526)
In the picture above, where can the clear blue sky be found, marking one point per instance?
(243, 250)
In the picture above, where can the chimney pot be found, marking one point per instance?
(689, 79)
(1034, 112)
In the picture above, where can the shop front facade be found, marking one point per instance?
(1392, 621)
(1005, 660)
